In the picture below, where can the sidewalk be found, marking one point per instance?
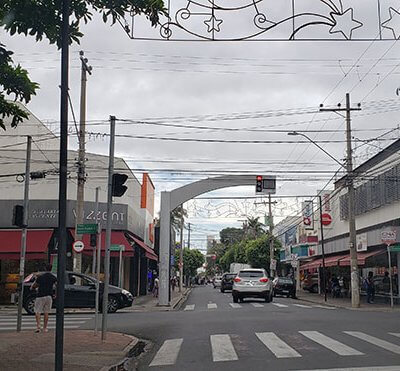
(83, 351)
(346, 302)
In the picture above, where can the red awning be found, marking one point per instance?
(361, 257)
(330, 261)
(117, 238)
(149, 251)
(36, 244)
(312, 264)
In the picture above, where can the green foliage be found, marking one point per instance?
(229, 236)
(253, 228)
(257, 252)
(192, 260)
(227, 259)
(14, 81)
(43, 19)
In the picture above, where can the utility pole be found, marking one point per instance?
(97, 254)
(181, 253)
(62, 192)
(189, 236)
(24, 232)
(80, 193)
(322, 245)
(108, 230)
(355, 291)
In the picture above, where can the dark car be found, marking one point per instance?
(284, 286)
(80, 292)
(310, 283)
(227, 281)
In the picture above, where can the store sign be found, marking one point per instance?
(362, 243)
(326, 219)
(308, 215)
(388, 237)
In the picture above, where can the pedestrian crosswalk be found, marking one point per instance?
(72, 321)
(213, 306)
(279, 346)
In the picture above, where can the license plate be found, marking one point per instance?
(285, 291)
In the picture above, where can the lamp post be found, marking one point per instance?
(320, 206)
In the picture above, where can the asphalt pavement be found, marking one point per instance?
(211, 333)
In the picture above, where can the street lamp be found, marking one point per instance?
(320, 204)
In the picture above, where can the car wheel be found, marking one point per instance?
(314, 289)
(267, 298)
(29, 305)
(222, 290)
(272, 298)
(113, 304)
(235, 299)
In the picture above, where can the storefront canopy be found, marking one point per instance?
(117, 238)
(36, 244)
(361, 257)
(148, 250)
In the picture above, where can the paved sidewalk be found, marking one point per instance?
(346, 302)
(82, 350)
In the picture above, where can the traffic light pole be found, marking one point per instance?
(24, 232)
(108, 229)
(96, 255)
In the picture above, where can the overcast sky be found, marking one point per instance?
(251, 86)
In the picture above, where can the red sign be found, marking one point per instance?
(326, 219)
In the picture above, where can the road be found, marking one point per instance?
(211, 333)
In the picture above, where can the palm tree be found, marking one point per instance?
(177, 217)
(253, 227)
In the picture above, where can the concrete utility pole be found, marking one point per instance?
(80, 193)
(181, 253)
(24, 232)
(322, 245)
(189, 236)
(97, 253)
(108, 230)
(355, 291)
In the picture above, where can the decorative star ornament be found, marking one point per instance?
(345, 23)
(213, 24)
(393, 23)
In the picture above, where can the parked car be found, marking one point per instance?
(252, 283)
(217, 281)
(80, 292)
(310, 283)
(227, 281)
(284, 286)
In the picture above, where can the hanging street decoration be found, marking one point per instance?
(272, 20)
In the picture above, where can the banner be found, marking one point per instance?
(308, 215)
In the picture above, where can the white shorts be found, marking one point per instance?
(43, 304)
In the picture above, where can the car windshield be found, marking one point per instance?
(251, 274)
(285, 280)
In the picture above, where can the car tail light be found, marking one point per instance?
(237, 279)
(263, 280)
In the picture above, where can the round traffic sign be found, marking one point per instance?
(307, 220)
(326, 219)
(78, 246)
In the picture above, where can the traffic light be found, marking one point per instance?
(118, 187)
(93, 240)
(18, 216)
(259, 184)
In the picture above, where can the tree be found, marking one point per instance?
(229, 236)
(253, 227)
(177, 216)
(257, 251)
(44, 20)
(192, 260)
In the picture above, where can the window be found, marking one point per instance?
(76, 279)
(251, 274)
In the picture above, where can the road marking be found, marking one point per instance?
(212, 306)
(168, 353)
(222, 348)
(331, 344)
(276, 345)
(395, 334)
(302, 306)
(32, 319)
(257, 305)
(235, 305)
(375, 341)
(32, 327)
(189, 307)
(376, 368)
(280, 305)
(324, 307)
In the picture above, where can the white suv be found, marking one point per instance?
(252, 283)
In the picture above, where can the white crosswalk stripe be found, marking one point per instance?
(235, 305)
(168, 353)
(280, 305)
(276, 345)
(302, 306)
(375, 341)
(190, 307)
(324, 307)
(257, 305)
(222, 348)
(212, 306)
(395, 334)
(331, 344)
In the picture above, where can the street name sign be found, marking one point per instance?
(86, 228)
(78, 246)
(395, 248)
(117, 248)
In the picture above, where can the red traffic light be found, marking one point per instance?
(259, 178)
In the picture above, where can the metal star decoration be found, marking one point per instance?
(213, 24)
(344, 23)
(393, 23)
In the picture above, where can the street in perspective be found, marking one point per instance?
(199, 185)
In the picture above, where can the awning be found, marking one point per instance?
(36, 244)
(361, 257)
(148, 250)
(312, 264)
(330, 261)
(117, 238)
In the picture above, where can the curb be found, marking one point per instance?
(182, 299)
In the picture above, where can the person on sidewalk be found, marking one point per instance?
(44, 284)
(370, 288)
(156, 285)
